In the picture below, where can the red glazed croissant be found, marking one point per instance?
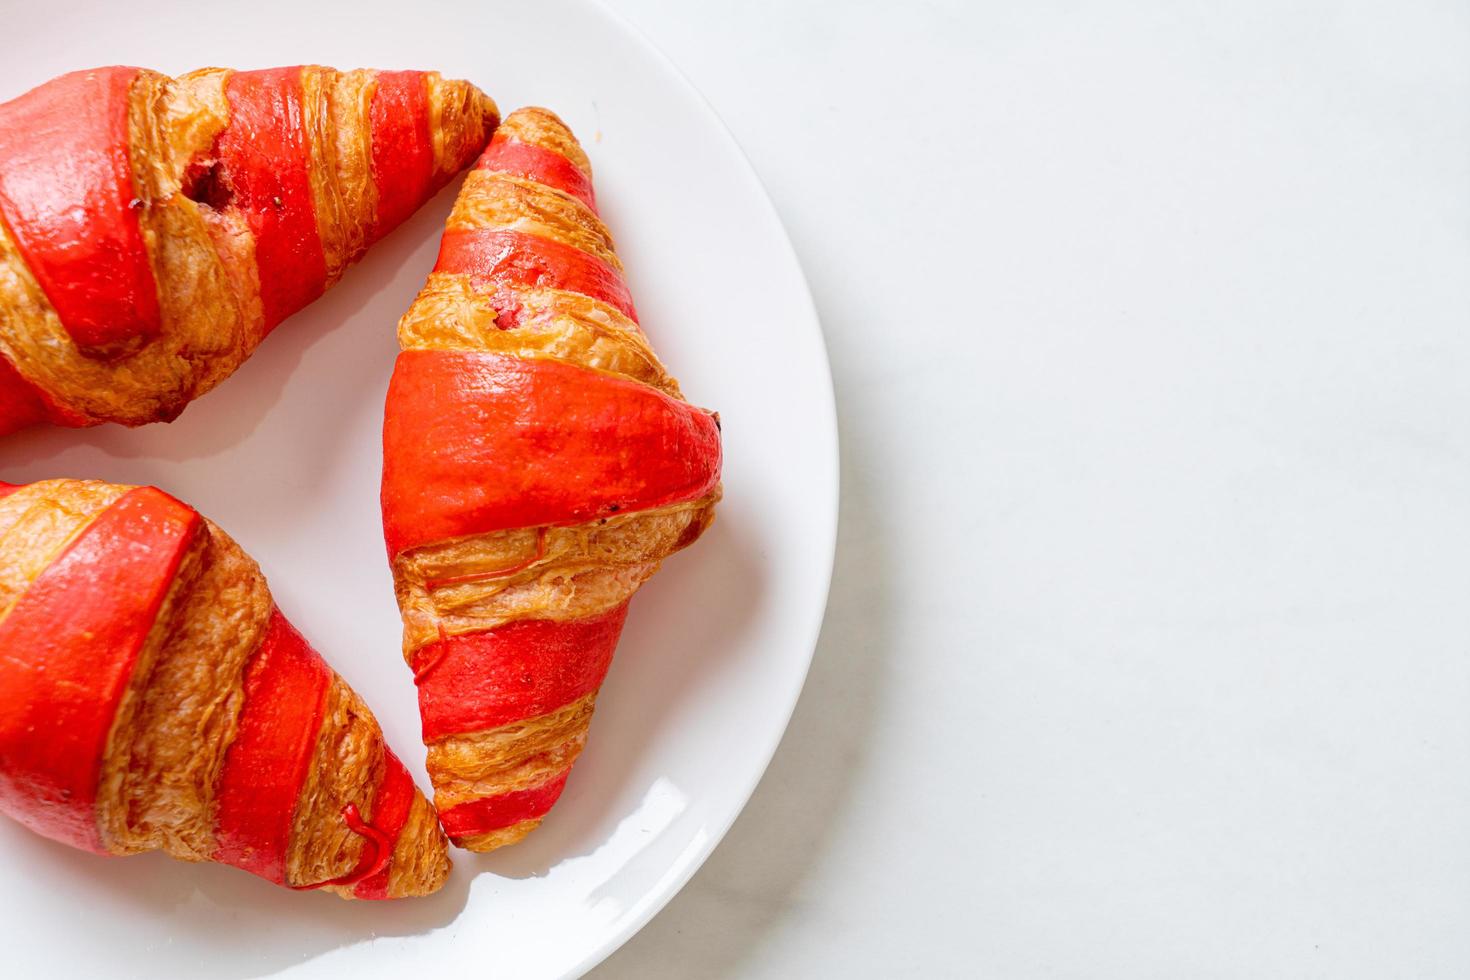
(153, 697)
(153, 230)
(539, 464)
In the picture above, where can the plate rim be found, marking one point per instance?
(831, 465)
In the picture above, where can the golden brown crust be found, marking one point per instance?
(505, 836)
(212, 316)
(544, 128)
(210, 310)
(118, 759)
(348, 759)
(461, 119)
(195, 111)
(513, 757)
(338, 111)
(178, 715)
(421, 859)
(352, 102)
(188, 707)
(502, 201)
(585, 570)
(451, 314)
(203, 259)
(319, 118)
(36, 523)
(148, 163)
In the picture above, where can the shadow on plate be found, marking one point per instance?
(751, 882)
(697, 635)
(222, 921)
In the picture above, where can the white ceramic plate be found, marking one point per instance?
(285, 455)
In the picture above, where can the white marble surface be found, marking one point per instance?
(1148, 652)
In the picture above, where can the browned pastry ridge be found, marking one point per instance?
(152, 697)
(154, 230)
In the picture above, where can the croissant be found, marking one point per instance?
(539, 463)
(152, 697)
(153, 230)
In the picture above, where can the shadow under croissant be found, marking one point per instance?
(746, 891)
(722, 577)
(221, 921)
